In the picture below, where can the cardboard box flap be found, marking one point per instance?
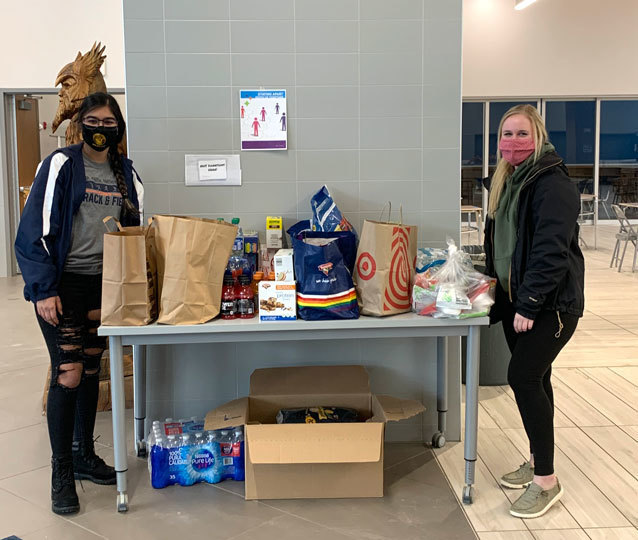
(395, 409)
(231, 414)
(309, 380)
(315, 443)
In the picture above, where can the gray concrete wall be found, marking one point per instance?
(374, 100)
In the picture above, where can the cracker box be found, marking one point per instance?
(284, 269)
(277, 301)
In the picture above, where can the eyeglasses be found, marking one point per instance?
(92, 121)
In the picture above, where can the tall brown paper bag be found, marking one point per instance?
(384, 273)
(129, 277)
(192, 254)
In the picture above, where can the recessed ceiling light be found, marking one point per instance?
(522, 4)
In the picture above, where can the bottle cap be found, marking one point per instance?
(258, 276)
(235, 221)
(271, 276)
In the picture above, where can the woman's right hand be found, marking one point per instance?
(49, 308)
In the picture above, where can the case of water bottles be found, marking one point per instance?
(183, 453)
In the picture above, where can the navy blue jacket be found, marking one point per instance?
(44, 234)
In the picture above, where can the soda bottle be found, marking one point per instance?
(245, 299)
(229, 300)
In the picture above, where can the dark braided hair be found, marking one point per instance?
(101, 99)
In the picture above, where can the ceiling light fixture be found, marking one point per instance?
(522, 4)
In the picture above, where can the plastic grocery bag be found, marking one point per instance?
(324, 282)
(453, 289)
(326, 216)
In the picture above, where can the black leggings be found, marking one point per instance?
(71, 410)
(529, 375)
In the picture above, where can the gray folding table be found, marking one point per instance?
(408, 325)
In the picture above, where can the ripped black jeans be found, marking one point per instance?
(72, 344)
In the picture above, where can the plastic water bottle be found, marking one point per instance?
(238, 245)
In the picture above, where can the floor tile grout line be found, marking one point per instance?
(621, 375)
(631, 475)
(590, 403)
(594, 408)
(599, 383)
(557, 445)
(407, 459)
(235, 536)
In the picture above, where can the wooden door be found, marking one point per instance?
(27, 143)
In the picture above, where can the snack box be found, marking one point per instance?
(277, 301)
(284, 269)
(274, 232)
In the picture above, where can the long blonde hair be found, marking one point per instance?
(503, 169)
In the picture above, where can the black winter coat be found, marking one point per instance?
(548, 268)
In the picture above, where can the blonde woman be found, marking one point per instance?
(531, 244)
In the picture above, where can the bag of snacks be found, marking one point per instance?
(453, 289)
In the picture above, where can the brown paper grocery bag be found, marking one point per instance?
(192, 254)
(384, 273)
(129, 295)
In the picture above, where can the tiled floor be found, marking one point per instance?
(418, 498)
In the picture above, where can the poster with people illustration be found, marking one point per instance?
(263, 120)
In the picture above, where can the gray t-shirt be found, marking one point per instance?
(101, 199)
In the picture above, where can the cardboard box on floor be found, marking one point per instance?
(298, 461)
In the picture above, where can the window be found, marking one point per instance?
(571, 126)
(472, 154)
(619, 152)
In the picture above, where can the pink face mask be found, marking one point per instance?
(515, 151)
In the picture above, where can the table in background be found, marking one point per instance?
(477, 212)
(408, 325)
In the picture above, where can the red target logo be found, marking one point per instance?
(366, 266)
(397, 292)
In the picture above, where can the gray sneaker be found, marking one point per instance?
(536, 501)
(520, 478)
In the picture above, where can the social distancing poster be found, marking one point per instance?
(263, 119)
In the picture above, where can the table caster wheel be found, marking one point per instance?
(122, 502)
(140, 447)
(468, 494)
(438, 440)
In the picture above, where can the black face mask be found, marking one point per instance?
(99, 138)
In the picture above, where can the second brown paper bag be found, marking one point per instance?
(384, 272)
(192, 254)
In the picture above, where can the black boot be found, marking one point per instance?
(64, 498)
(87, 465)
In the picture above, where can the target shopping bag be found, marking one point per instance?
(384, 271)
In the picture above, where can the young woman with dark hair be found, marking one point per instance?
(59, 250)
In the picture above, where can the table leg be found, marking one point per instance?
(471, 409)
(438, 439)
(119, 423)
(139, 397)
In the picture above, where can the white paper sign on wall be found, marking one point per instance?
(212, 170)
